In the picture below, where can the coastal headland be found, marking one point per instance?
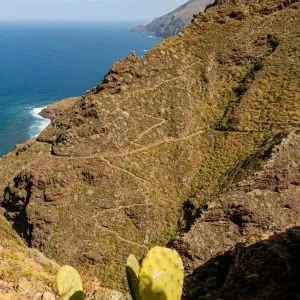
(55, 109)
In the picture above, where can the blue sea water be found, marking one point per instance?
(43, 63)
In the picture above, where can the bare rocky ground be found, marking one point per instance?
(194, 146)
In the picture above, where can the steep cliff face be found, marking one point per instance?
(175, 21)
(136, 160)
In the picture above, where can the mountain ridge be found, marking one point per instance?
(174, 22)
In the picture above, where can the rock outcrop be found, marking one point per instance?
(54, 110)
(195, 145)
(175, 21)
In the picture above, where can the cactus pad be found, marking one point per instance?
(132, 272)
(161, 275)
(69, 284)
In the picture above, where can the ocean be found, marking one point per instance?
(43, 63)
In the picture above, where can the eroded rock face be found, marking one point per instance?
(264, 270)
(109, 176)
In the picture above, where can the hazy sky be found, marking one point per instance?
(93, 10)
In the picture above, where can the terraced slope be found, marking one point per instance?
(113, 174)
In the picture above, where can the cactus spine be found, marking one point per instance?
(69, 284)
(160, 276)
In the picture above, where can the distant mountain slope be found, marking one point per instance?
(175, 21)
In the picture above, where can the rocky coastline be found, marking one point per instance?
(55, 109)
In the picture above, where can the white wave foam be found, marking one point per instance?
(150, 36)
(39, 124)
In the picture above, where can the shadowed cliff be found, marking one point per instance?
(265, 270)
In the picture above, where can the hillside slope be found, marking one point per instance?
(238, 248)
(136, 160)
(24, 273)
(175, 21)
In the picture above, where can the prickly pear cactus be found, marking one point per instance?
(132, 272)
(69, 284)
(161, 275)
